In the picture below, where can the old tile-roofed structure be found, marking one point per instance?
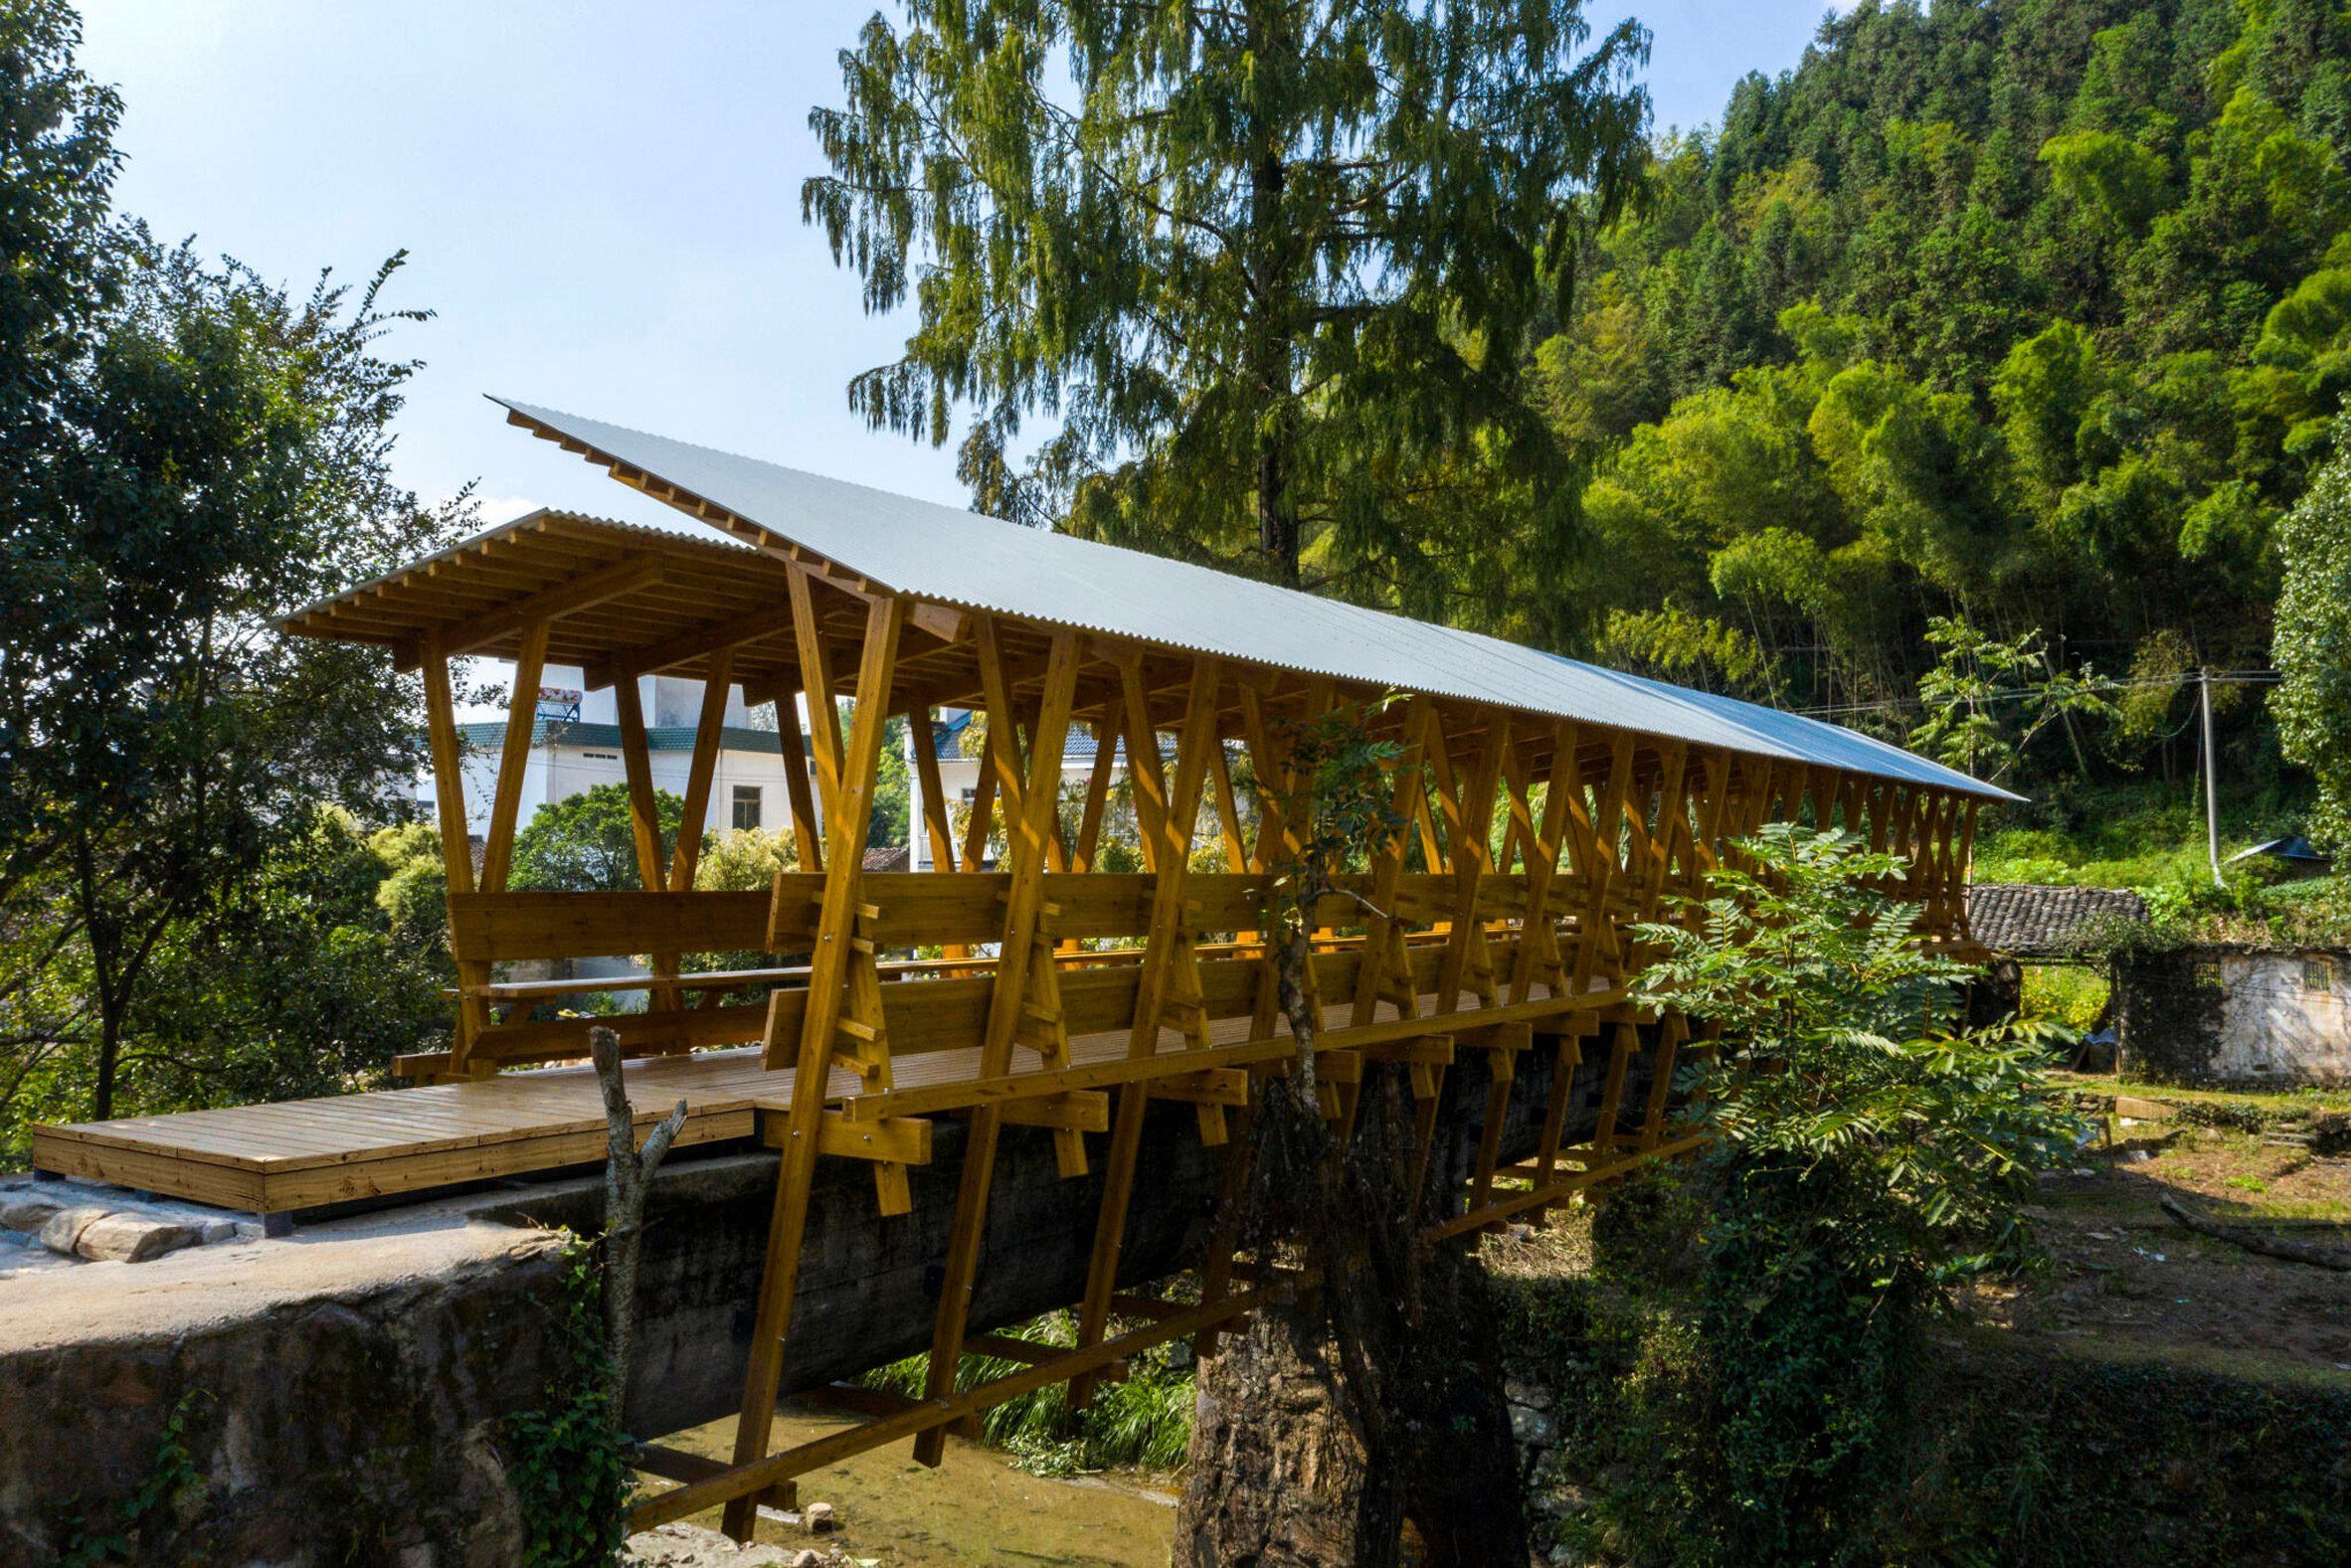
(887, 857)
(2025, 919)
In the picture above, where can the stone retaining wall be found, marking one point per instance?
(342, 1387)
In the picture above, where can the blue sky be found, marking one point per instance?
(599, 201)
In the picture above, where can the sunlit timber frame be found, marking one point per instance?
(1063, 996)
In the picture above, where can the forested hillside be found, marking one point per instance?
(2033, 311)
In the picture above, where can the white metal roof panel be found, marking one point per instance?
(963, 558)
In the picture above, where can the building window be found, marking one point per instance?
(747, 797)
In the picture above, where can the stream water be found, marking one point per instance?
(975, 1508)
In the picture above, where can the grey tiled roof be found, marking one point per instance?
(2029, 921)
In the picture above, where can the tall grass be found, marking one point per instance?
(1144, 1421)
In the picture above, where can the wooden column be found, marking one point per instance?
(1469, 838)
(807, 832)
(849, 810)
(645, 816)
(1167, 849)
(710, 731)
(522, 713)
(937, 826)
(456, 850)
(1029, 805)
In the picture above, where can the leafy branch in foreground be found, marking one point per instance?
(1864, 1151)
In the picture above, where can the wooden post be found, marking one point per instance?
(936, 824)
(710, 731)
(849, 812)
(807, 832)
(457, 849)
(1468, 834)
(1166, 954)
(522, 714)
(1029, 805)
(645, 816)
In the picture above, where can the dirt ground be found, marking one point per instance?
(2122, 1275)
(2118, 1275)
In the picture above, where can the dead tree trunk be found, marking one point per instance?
(627, 1172)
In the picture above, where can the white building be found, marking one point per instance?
(576, 746)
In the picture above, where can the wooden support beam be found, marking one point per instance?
(715, 636)
(743, 1479)
(1468, 829)
(1029, 807)
(806, 834)
(849, 812)
(458, 638)
(709, 730)
(1106, 749)
(457, 849)
(522, 717)
(1169, 971)
(645, 822)
(937, 826)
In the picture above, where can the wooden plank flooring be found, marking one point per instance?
(301, 1153)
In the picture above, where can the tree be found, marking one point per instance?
(2313, 648)
(1987, 700)
(1863, 1153)
(1388, 1374)
(190, 452)
(587, 842)
(1273, 265)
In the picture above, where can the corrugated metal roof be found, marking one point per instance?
(961, 558)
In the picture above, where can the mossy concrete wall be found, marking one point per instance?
(2234, 1016)
(343, 1389)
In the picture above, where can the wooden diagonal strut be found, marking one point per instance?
(849, 812)
(456, 856)
(1030, 805)
(1169, 966)
(1469, 826)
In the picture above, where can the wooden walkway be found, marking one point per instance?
(304, 1154)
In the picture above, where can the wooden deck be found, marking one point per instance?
(304, 1154)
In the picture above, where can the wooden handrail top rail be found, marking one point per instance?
(931, 1099)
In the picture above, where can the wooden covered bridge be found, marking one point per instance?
(1550, 804)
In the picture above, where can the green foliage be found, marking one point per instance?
(2072, 998)
(1986, 700)
(1336, 803)
(190, 451)
(2006, 1456)
(1144, 1419)
(2314, 648)
(1271, 269)
(587, 844)
(569, 1469)
(1863, 1153)
(2032, 314)
(304, 978)
(173, 1473)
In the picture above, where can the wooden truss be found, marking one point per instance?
(1046, 991)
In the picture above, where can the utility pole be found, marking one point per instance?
(2211, 811)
